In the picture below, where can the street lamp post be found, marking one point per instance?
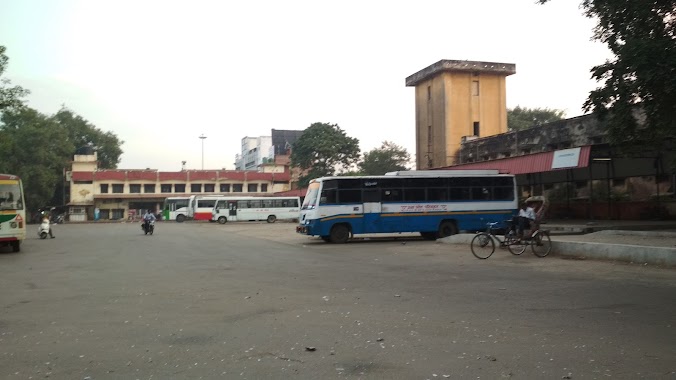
(202, 137)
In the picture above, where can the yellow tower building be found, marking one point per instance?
(455, 100)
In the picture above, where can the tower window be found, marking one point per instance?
(476, 129)
(429, 92)
(475, 88)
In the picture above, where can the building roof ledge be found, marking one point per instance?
(460, 66)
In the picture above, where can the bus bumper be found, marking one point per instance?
(304, 230)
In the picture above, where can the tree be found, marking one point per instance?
(10, 97)
(642, 37)
(322, 150)
(81, 133)
(519, 118)
(388, 158)
(36, 149)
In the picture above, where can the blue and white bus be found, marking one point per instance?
(435, 203)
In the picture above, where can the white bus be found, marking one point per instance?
(270, 209)
(176, 208)
(435, 203)
(12, 212)
(201, 206)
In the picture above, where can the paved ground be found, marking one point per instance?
(247, 300)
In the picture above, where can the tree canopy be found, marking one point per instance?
(82, 133)
(642, 76)
(34, 147)
(388, 158)
(323, 149)
(10, 96)
(38, 148)
(519, 118)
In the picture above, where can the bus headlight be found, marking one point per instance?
(13, 224)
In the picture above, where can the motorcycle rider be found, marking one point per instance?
(147, 218)
(45, 221)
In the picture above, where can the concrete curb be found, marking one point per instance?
(620, 252)
(664, 256)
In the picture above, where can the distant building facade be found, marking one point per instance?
(255, 151)
(456, 100)
(265, 149)
(118, 194)
(572, 162)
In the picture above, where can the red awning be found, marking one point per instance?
(531, 163)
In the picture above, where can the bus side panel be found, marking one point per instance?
(202, 215)
(352, 215)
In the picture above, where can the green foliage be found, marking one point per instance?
(34, 147)
(600, 192)
(388, 158)
(10, 96)
(81, 133)
(322, 150)
(562, 192)
(519, 118)
(642, 36)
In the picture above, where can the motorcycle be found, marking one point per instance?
(59, 219)
(43, 230)
(148, 227)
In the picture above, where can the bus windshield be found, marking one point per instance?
(311, 196)
(175, 204)
(10, 196)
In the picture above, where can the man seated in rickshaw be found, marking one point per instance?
(525, 219)
(531, 215)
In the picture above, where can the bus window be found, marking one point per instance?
(481, 193)
(371, 195)
(206, 203)
(503, 193)
(437, 194)
(414, 195)
(349, 196)
(328, 197)
(391, 195)
(242, 204)
(459, 194)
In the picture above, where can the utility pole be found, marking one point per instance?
(202, 137)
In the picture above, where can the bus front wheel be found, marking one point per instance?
(16, 246)
(222, 219)
(180, 218)
(272, 218)
(339, 234)
(447, 228)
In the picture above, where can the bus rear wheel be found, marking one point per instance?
(180, 218)
(272, 219)
(340, 234)
(447, 228)
(222, 220)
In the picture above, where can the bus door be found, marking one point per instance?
(373, 222)
(232, 213)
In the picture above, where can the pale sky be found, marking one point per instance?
(160, 73)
